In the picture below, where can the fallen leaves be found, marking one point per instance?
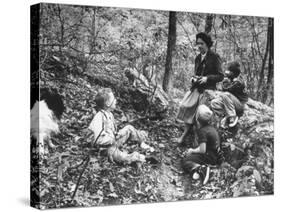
(108, 183)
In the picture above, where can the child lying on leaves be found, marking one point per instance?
(106, 135)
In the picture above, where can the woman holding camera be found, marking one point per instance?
(208, 72)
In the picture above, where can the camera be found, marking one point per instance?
(195, 80)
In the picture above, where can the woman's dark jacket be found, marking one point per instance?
(209, 67)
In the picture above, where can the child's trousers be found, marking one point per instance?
(227, 104)
(192, 161)
(123, 135)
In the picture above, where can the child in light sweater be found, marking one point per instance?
(106, 135)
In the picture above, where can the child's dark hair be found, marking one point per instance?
(234, 67)
(102, 97)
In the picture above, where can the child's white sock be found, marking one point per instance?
(195, 176)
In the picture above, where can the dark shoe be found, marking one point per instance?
(233, 121)
(204, 172)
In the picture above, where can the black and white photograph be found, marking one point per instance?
(134, 105)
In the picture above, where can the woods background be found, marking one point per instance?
(18, 200)
(108, 40)
(85, 48)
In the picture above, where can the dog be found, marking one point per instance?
(45, 115)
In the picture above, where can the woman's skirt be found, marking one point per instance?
(188, 106)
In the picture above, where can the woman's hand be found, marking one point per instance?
(202, 80)
(188, 152)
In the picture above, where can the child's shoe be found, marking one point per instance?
(233, 121)
(204, 172)
(229, 122)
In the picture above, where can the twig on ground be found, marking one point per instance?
(87, 159)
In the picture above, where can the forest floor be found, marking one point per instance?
(104, 182)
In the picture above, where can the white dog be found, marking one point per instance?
(43, 125)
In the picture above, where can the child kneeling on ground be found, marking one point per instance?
(197, 160)
(106, 135)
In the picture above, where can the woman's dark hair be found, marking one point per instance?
(234, 67)
(206, 38)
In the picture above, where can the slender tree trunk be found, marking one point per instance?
(61, 29)
(271, 51)
(261, 76)
(269, 86)
(209, 23)
(167, 81)
(93, 32)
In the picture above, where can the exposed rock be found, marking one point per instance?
(154, 93)
(250, 146)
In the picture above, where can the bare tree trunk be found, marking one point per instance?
(269, 86)
(271, 51)
(93, 32)
(209, 23)
(61, 39)
(261, 76)
(170, 49)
